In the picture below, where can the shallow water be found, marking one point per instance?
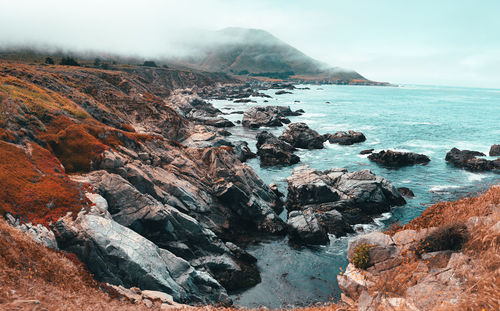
(423, 119)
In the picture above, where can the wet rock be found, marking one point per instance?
(495, 150)
(367, 151)
(282, 92)
(304, 228)
(406, 192)
(242, 151)
(355, 195)
(258, 116)
(299, 135)
(468, 159)
(244, 100)
(273, 151)
(397, 159)
(346, 138)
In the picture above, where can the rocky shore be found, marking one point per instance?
(132, 171)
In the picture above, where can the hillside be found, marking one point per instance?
(257, 53)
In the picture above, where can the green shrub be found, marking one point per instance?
(361, 256)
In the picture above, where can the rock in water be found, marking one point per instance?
(397, 159)
(304, 227)
(406, 192)
(356, 196)
(273, 151)
(468, 159)
(346, 138)
(256, 117)
(299, 135)
(495, 150)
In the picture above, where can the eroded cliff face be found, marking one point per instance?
(147, 164)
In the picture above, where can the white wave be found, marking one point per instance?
(473, 177)
(441, 188)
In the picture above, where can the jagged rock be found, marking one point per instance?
(468, 159)
(242, 151)
(346, 138)
(273, 151)
(383, 248)
(120, 256)
(170, 229)
(397, 159)
(39, 234)
(299, 135)
(406, 192)
(304, 228)
(364, 189)
(258, 116)
(338, 198)
(494, 150)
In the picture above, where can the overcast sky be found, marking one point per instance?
(424, 42)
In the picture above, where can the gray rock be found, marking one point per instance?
(304, 228)
(120, 256)
(494, 150)
(346, 138)
(299, 135)
(258, 116)
(273, 151)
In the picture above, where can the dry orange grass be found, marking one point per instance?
(33, 277)
(481, 289)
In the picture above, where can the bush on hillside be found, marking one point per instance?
(361, 257)
(69, 61)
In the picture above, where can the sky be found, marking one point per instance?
(416, 42)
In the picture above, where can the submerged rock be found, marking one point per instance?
(397, 159)
(258, 116)
(367, 151)
(468, 159)
(299, 135)
(346, 138)
(273, 151)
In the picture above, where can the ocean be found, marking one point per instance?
(422, 119)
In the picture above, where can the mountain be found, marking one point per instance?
(258, 53)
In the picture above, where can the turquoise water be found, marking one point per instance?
(423, 119)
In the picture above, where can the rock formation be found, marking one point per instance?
(299, 135)
(469, 160)
(273, 151)
(345, 138)
(258, 116)
(397, 159)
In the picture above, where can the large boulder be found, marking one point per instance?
(304, 228)
(346, 138)
(273, 151)
(468, 159)
(258, 116)
(397, 158)
(120, 256)
(357, 195)
(299, 135)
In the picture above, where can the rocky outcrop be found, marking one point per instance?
(258, 116)
(273, 151)
(345, 138)
(398, 159)
(304, 228)
(469, 160)
(120, 256)
(356, 196)
(299, 135)
(494, 150)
